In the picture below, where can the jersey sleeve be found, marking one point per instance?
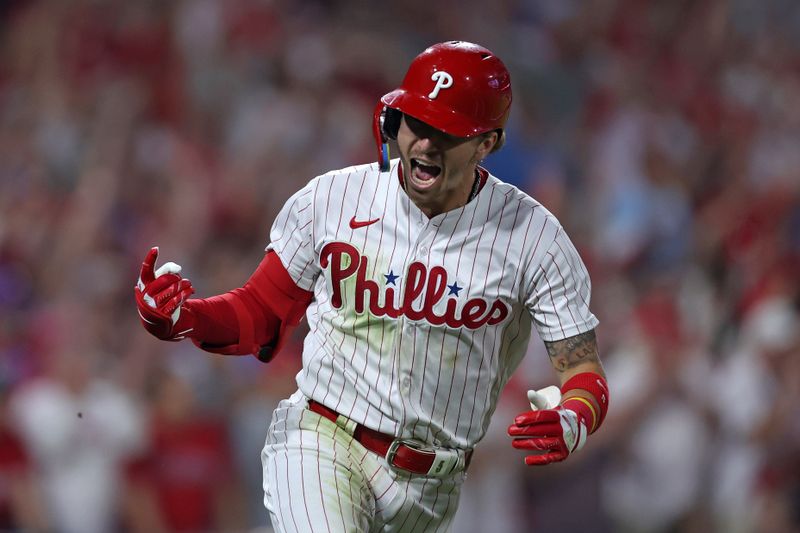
(291, 237)
(558, 298)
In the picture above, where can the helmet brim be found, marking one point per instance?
(432, 113)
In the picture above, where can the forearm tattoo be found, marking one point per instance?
(574, 351)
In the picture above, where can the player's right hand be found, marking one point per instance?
(159, 297)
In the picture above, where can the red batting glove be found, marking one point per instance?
(550, 429)
(159, 297)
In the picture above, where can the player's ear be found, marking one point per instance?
(501, 140)
(486, 145)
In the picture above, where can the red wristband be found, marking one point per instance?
(597, 387)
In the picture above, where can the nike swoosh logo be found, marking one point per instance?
(355, 224)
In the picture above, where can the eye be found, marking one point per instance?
(424, 130)
(418, 127)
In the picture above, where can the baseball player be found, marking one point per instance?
(420, 278)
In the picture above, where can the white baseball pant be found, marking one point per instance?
(317, 478)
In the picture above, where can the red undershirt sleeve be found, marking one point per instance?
(254, 319)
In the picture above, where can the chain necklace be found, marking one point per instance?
(476, 185)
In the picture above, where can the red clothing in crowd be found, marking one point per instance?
(185, 468)
(14, 463)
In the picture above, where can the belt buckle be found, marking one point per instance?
(391, 453)
(445, 461)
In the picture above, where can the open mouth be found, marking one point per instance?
(424, 173)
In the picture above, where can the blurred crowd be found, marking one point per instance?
(665, 135)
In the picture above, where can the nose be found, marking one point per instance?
(426, 143)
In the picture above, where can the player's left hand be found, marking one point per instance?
(550, 429)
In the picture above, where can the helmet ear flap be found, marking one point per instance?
(390, 122)
(385, 125)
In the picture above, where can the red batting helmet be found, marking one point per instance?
(457, 87)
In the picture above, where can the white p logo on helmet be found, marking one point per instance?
(443, 81)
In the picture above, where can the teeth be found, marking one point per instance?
(418, 161)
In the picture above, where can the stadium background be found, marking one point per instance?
(664, 134)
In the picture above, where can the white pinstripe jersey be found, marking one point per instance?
(417, 323)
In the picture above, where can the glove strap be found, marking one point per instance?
(184, 325)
